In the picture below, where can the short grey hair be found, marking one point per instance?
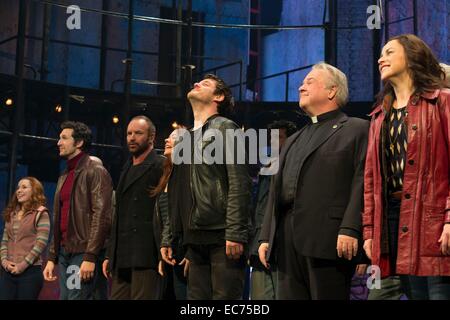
(446, 69)
(336, 78)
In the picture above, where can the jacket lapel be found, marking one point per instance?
(144, 167)
(324, 135)
(326, 132)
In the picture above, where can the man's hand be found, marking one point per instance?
(368, 248)
(161, 268)
(444, 240)
(234, 249)
(48, 271)
(166, 254)
(347, 246)
(105, 271)
(186, 263)
(87, 270)
(262, 252)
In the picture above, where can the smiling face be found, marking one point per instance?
(169, 143)
(313, 92)
(393, 62)
(24, 191)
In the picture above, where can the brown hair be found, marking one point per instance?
(226, 105)
(167, 171)
(37, 199)
(423, 67)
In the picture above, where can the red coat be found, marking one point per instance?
(426, 192)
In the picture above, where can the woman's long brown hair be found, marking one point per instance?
(423, 67)
(167, 171)
(37, 199)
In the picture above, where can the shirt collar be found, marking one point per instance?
(325, 116)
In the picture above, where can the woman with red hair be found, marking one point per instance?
(25, 237)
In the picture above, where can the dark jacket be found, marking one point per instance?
(90, 211)
(262, 196)
(329, 198)
(221, 192)
(425, 205)
(133, 221)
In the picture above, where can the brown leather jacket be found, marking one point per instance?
(90, 211)
(426, 187)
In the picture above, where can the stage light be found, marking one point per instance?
(58, 108)
(9, 102)
(115, 119)
(175, 125)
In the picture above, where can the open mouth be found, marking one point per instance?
(383, 67)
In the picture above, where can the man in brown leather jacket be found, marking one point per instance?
(82, 216)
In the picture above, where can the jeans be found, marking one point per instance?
(70, 285)
(25, 286)
(416, 287)
(427, 288)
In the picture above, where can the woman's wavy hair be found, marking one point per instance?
(37, 199)
(167, 171)
(423, 67)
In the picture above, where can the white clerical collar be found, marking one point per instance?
(314, 119)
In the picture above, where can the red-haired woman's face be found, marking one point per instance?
(24, 191)
(392, 62)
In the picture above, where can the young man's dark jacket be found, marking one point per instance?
(221, 193)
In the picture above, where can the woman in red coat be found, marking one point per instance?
(406, 219)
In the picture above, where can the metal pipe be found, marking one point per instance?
(240, 79)
(331, 34)
(8, 40)
(34, 137)
(272, 75)
(20, 106)
(286, 97)
(188, 68)
(45, 41)
(222, 66)
(103, 50)
(178, 45)
(386, 21)
(128, 69)
(376, 51)
(415, 17)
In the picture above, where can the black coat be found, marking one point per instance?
(329, 197)
(133, 221)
